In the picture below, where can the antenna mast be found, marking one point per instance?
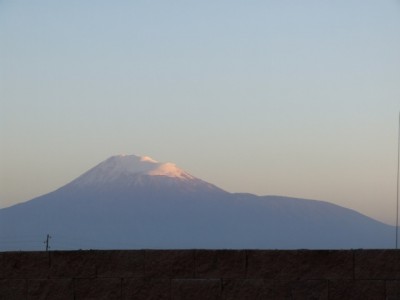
(47, 242)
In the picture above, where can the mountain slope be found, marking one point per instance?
(136, 202)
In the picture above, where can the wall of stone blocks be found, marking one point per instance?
(200, 274)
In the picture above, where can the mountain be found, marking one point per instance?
(132, 202)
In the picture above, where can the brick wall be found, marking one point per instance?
(200, 274)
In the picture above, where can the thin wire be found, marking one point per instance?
(397, 195)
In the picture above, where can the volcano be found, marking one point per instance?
(133, 202)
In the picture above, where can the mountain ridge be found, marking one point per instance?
(130, 202)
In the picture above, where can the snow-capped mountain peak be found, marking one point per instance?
(148, 158)
(130, 165)
(129, 201)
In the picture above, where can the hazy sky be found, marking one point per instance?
(296, 98)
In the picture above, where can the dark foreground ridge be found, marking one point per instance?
(201, 274)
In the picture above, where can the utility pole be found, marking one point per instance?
(397, 203)
(47, 242)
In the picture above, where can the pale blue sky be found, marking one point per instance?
(296, 98)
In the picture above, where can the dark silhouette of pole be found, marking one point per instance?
(397, 195)
(47, 242)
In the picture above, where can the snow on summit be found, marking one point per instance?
(126, 165)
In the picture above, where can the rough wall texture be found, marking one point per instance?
(201, 274)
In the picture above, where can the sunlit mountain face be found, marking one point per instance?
(133, 202)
